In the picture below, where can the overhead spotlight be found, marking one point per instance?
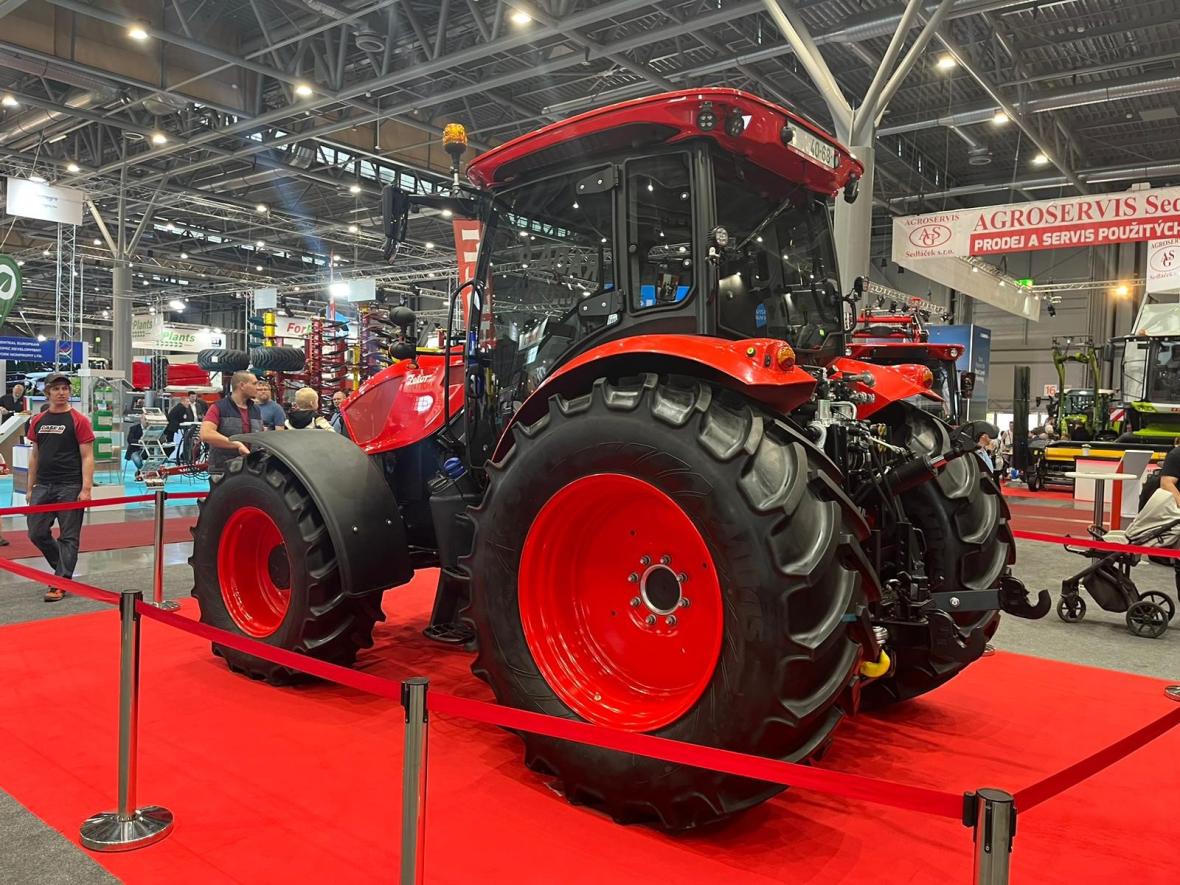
(45, 252)
(303, 90)
(20, 262)
(524, 233)
(97, 241)
(261, 209)
(946, 62)
(259, 244)
(999, 118)
(73, 168)
(106, 314)
(429, 245)
(521, 18)
(1122, 290)
(9, 102)
(1040, 160)
(137, 32)
(354, 189)
(159, 138)
(176, 304)
(41, 338)
(352, 228)
(447, 213)
(145, 282)
(152, 309)
(258, 267)
(184, 256)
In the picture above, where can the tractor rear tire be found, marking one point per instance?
(264, 567)
(734, 512)
(967, 545)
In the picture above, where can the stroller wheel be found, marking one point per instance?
(1147, 619)
(1071, 609)
(1162, 600)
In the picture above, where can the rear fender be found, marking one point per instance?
(356, 503)
(750, 366)
(890, 385)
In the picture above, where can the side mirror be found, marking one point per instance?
(966, 384)
(858, 288)
(852, 189)
(395, 211)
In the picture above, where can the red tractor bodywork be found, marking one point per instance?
(403, 403)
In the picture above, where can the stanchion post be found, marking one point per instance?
(129, 827)
(992, 814)
(158, 561)
(414, 780)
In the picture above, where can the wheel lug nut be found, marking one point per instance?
(651, 620)
(635, 602)
(682, 577)
(671, 620)
(684, 603)
(645, 560)
(633, 577)
(665, 559)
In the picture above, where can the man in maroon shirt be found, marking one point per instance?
(61, 470)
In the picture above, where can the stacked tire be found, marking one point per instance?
(220, 360)
(277, 359)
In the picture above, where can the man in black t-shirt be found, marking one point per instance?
(61, 470)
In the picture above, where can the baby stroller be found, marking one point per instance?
(1108, 578)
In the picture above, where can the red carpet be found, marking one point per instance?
(106, 536)
(302, 785)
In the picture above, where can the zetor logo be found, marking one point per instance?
(1165, 259)
(930, 236)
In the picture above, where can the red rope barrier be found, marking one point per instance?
(1090, 543)
(84, 505)
(1055, 784)
(67, 584)
(835, 783)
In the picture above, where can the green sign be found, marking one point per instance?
(10, 285)
(1026, 283)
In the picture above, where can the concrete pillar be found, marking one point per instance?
(121, 318)
(854, 223)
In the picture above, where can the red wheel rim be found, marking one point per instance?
(620, 603)
(255, 572)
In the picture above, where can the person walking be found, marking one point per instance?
(61, 471)
(229, 416)
(273, 416)
(305, 414)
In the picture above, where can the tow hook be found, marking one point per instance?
(876, 669)
(1014, 599)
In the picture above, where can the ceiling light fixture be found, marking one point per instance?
(999, 118)
(1040, 160)
(258, 267)
(9, 102)
(159, 138)
(447, 213)
(137, 32)
(354, 189)
(352, 228)
(73, 168)
(258, 244)
(41, 338)
(184, 256)
(176, 304)
(261, 209)
(303, 90)
(520, 17)
(97, 241)
(946, 63)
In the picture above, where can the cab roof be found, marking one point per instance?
(771, 137)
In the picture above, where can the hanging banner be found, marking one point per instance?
(1092, 220)
(1163, 266)
(10, 285)
(31, 199)
(467, 238)
(164, 336)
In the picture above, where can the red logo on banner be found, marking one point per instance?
(468, 235)
(930, 236)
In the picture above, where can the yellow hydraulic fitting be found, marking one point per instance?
(877, 669)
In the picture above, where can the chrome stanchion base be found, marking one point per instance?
(988, 650)
(168, 605)
(105, 832)
(1173, 691)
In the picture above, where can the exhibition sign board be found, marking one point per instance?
(150, 333)
(975, 356)
(1163, 266)
(10, 285)
(30, 350)
(1068, 222)
(47, 202)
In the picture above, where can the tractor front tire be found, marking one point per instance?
(264, 567)
(661, 556)
(967, 545)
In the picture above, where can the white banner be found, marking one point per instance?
(1093, 220)
(29, 199)
(1163, 266)
(149, 334)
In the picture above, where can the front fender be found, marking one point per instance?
(890, 385)
(751, 367)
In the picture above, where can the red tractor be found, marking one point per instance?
(659, 496)
(898, 337)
